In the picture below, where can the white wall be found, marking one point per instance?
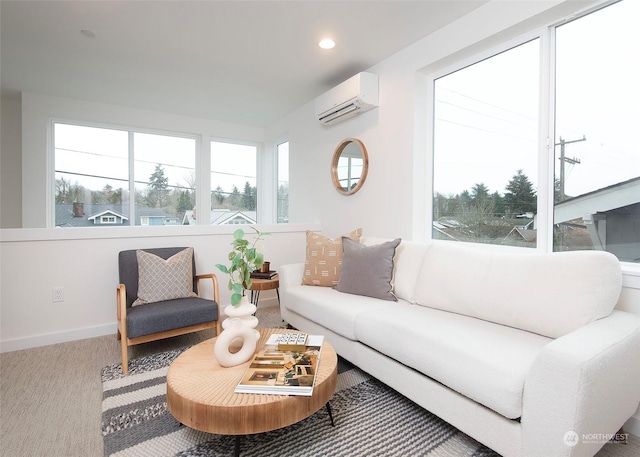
(10, 163)
(84, 262)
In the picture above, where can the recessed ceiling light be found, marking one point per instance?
(88, 33)
(327, 43)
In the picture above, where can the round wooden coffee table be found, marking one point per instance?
(200, 393)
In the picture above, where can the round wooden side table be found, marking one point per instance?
(200, 394)
(263, 284)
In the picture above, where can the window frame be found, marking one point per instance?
(544, 237)
(202, 166)
(277, 178)
(260, 188)
(546, 129)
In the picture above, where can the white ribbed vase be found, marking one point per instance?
(243, 311)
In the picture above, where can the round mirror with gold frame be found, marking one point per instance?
(349, 166)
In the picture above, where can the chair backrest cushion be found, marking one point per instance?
(128, 268)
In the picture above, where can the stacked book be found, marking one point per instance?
(264, 275)
(286, 365)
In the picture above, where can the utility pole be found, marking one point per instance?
(564, 160)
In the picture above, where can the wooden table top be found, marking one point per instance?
(200, 393)
(265, 284)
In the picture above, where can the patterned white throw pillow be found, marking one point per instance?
(160, 279)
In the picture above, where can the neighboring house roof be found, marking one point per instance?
(88, 213)
(65, 213)
(246, 217)
(220, 216)
(528, 235)
(598, 201)
(108, 211)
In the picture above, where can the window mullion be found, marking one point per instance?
(132, 183)
(544, 222)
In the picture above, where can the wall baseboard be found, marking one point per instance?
(47, 339)
(55, 338)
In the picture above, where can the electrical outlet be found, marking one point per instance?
(58, 294)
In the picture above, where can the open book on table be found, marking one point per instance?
(283, 372)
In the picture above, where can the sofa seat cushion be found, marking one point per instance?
(334, 310)
(169, 315)
(484, 361)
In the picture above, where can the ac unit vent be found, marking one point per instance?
(356, 95)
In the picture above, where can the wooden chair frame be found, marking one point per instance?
(121, 301)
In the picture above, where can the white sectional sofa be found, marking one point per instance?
(522, 351)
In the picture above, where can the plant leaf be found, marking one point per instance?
(238, 234)
(235, 299)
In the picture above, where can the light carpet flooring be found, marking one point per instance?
(50, 397)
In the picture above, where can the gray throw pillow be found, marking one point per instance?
(368, 270)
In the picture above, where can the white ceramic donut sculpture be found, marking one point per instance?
(236, 331)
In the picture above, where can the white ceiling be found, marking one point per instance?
(249, 62)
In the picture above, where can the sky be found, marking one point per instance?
(486, 115)
(103, 154)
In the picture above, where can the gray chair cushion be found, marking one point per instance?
(169, 315)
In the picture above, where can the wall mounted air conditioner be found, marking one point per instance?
(354, 96)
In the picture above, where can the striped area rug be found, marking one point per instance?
(370, 420)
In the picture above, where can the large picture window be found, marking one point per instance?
(597, 157)
(283, 183)
(485, 149)
(98, 169)
(234, 191)
(489, 159)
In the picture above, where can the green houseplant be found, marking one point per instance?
(244, 258)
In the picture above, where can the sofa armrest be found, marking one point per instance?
(290, 275)
(582, 387)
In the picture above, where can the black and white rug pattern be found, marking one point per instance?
(370, 420)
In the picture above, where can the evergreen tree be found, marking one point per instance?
(479, 194)
(283, 203)
(464, 200)
(218, 197)
(249, 197)
(158, 185)
(234, 199)
(498, 203)
(520, 196)
(184, 202)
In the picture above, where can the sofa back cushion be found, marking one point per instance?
(407, 262)
(551, 294)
